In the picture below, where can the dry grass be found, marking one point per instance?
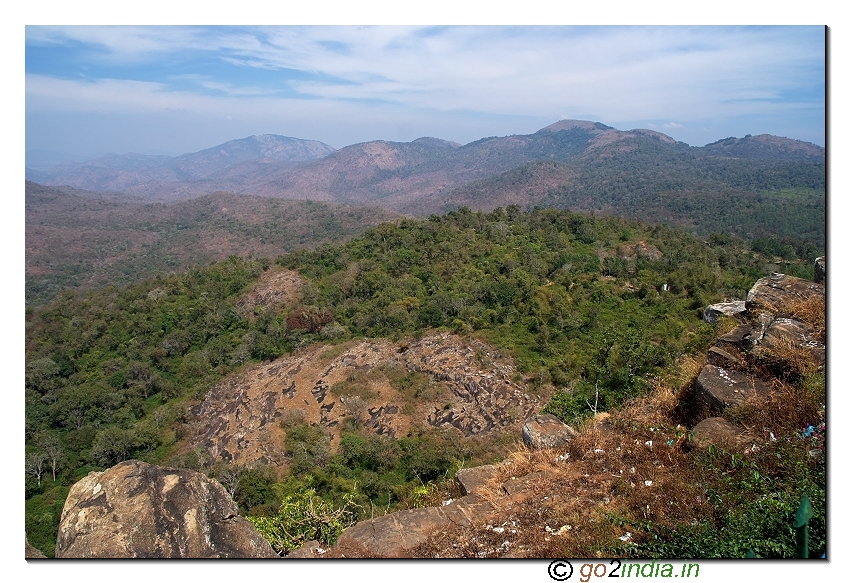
(789, 360)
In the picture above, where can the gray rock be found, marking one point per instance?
(719, 388)
(820, 270)
(136, 510)
(396, 534)
(777, 291)
(714, 312)
(546, 431)
(783, 333)
(719, 357)
(742, 337)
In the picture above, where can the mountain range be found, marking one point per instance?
(753, 186)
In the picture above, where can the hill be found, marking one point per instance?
(414, 346)
(191, 174)
(750, 187)
(80, 239)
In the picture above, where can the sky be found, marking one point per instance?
(92, 90)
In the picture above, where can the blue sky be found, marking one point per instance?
(174, 89)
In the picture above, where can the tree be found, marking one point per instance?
(34, 465)
(49, 442)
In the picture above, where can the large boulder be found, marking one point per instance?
(777, 291)
(713, 313)
(719, 388)
(546, 431)
(137, 510)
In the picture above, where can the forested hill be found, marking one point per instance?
(80, 240)
(577, 302)
(748, 186)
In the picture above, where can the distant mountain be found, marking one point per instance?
(147, 175)
(80, 240)
(576, 164)
(765, 146)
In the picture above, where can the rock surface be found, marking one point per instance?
(741, 337)
(714, 312)
(719, 357)
(30, 552)
(717, 430)
(546, 431)
(820, 270)
(719, 388)
(137, 510)
(394, 535)
(782, 334)
(311, 550)
(474, 480)
(240, 418)
(777, 290)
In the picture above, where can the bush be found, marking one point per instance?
(304, 517)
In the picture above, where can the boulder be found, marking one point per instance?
(395, 535)
(719, 357)
(820, 270)
(719, 388)
(137, 510)
(713, 312)
(782, 334)
(777, 291)
(717, 430)
(475, 480)
(742, 337)
(311, 550)
(30, 552)
(546, 431)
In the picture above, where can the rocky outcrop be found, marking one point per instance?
(714, 312)
(719, 388)
(394, 535)
(742, 337)
(470, 390)
(780, 290)
(546, 431)
(781, 334)
(137, 510)
(311, 550)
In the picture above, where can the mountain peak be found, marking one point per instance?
(568, 124)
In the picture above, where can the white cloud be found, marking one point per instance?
(691, 74)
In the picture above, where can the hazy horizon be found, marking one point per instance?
(93, 90)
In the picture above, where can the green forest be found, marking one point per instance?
(582, 303)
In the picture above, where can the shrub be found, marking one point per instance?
(303, 517)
